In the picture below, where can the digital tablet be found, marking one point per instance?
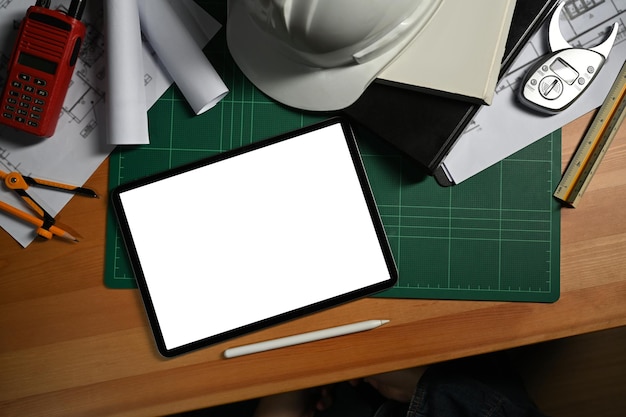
(254, 236)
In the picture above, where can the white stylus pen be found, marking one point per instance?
(303, 338)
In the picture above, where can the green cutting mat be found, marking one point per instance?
(496, 236)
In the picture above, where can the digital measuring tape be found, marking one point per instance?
(595, 143)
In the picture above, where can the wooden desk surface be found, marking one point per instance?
(69, 346)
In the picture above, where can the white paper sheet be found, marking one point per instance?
(197, 79)
(506, 127)
(78, 146)
(127, 120)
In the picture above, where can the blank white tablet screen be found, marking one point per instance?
(254, 236)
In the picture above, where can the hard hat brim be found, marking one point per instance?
(296, 84)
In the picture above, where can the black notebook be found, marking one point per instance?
(425, 126)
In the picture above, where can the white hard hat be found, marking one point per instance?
(320, 54)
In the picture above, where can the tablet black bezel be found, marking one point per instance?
(332, 302)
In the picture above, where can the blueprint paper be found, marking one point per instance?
(505, 127)
(175, 45)
(127, 120)
(78, 146)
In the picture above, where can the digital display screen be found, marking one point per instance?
(564, 71)
(253, 237)
(37, 63)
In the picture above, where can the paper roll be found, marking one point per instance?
(182, 58)
(127, 119)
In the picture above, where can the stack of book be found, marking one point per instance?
(423, 100)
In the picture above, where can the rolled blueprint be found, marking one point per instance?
(127, 118)
(180, 54)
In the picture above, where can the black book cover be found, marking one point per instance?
(425, 126)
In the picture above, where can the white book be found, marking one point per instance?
(458, 53)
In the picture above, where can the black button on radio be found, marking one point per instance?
(75, 52)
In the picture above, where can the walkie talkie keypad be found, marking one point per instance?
(25, 101)
(38, 74)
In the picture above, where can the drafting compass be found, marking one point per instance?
(562, 76)
(45, 222)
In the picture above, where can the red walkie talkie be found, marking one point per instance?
(41, 67)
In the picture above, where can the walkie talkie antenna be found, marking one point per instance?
(76, 9)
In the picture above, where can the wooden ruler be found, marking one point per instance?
(595, 143)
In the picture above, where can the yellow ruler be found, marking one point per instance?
(594, 145)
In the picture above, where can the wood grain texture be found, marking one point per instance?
(71, 347)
